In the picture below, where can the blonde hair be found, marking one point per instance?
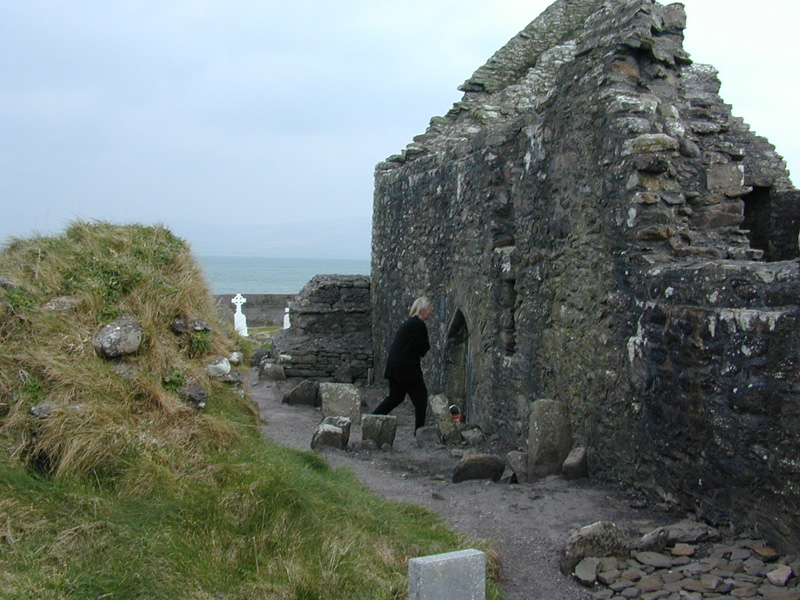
(420, 304)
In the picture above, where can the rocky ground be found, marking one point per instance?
(530, 523)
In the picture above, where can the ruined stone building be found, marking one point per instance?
(594, 226)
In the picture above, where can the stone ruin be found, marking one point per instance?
(595, 227)
(330, 337)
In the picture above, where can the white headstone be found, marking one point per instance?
(286, 323)
(239, 319)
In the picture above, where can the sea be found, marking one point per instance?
(264, 275)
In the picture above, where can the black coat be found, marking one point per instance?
(409, 346)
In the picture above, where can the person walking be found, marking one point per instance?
(403, 369)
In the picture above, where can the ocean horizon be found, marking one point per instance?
(269, 275)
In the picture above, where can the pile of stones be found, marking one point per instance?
(686, 561)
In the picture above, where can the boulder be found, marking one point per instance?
(549, 438)
(194, 394)
(575, 466)
(61, 304)
(333, 432)
(518, 463)
(600, 539)
(691, 532)
(219, 368)
(306, 393)
(236, 358)
(444, 420)
(269, 371)
(379, 429)
(233, 378)
(181, 326)
(479, 466)
(118, 338)
(340, 400)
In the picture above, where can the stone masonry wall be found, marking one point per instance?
(329, 337)
(593, 225)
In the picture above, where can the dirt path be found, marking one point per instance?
(529, 523)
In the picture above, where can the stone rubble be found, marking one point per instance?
(690, 569)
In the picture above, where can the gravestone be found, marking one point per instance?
(457, 575)
(239, 319)
(340, 400)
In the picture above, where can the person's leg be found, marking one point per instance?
(397, 393)
(419, 397)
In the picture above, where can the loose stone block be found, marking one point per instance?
(333, 432)
(306, 394)
(518, 463)
(457, 575)
(118, 338)
(479, 466)
(269, 371)
(340, 400)
(576, 465)
(444, 420)
(219, 368)
(549, 438)
(380, 429)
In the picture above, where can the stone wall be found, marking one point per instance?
(594, 226)
(261, 310)
(330, 337)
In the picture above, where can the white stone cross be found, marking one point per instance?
(239, 318)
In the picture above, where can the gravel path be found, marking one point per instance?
(528, 523)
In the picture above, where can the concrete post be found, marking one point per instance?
(457, 575)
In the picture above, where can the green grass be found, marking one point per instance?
(124, 490)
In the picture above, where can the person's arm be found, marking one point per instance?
(421, 339)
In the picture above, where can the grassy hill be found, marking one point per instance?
(121, 489)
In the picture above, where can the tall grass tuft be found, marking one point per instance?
(120, 489)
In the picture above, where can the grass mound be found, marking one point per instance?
(115, 487)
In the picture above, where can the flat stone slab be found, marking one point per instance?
(457, 575)
(340, 400)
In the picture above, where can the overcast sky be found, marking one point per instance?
(253, 127)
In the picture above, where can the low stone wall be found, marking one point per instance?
(261, 310)
(330, 336)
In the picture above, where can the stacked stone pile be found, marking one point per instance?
(685, 561)
(330, 335)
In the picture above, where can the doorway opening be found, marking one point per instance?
(458, 366)
(757, 215)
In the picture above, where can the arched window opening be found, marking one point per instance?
(458, 365)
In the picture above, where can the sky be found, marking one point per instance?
(253, 127)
